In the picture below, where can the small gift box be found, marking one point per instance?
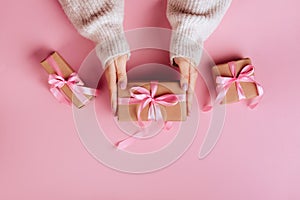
(65, 84)
(235, 81)
(146, 101)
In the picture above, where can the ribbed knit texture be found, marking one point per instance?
(102, 22)
(192, 22)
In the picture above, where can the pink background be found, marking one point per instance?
(257, 156)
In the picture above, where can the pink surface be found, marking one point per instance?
(257, 156)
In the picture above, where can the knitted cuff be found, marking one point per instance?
(182, 45)
(111, 47)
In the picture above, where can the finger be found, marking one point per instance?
(120, 64)
(111, 78)
(184, 72)
(192, 85)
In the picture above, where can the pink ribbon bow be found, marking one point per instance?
(57, 81)
(143, 97)
(74, 83)
(246, 75)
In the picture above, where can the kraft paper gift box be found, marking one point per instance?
(65, 71)
(178, 112)
(249, 88)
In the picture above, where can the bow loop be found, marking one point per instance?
(139, 93)
(56, 81)
(167, 100)
(247, 71)
(74, 79)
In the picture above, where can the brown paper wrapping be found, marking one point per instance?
(232, 95)
(66, 71)
(170, 113)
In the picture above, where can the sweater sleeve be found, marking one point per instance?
(102, 22)
(192, 22)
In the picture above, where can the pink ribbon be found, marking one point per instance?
(76, 85)
(143, 97)
(246, 75)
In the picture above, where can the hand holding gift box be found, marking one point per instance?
(65, 84)
(235, 81)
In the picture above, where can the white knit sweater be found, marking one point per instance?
(192, 22)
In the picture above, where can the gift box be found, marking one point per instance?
(235, 81)
(145, 101)
(65, 84)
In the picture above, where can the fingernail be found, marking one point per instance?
(185, 86)
(122, 85)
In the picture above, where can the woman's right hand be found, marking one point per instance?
(115, 74)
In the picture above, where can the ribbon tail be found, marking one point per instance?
(140, 122)
(254, 102)
(158, 114)
(123, 144)
(207, 107)
(59, 96)
(151, 112)
(240, 91)
(88, 91)
(168, 125)
(79, 95)
(221, 96)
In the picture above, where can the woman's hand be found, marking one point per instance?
(115, 74)
(188, 79)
